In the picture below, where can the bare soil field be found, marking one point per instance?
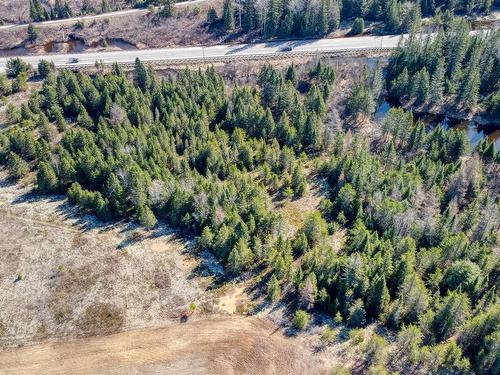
(233, 345)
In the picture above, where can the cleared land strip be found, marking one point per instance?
(255, 51)
(225, 345)
(121, 13)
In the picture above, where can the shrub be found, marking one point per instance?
(358, 26)
(357, 336)
(301, 319)
(328, 335)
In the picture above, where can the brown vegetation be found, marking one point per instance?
(229, 345)
(63, 275)
(187, 27)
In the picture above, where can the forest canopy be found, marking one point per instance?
(420, 207)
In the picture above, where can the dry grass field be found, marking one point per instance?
(229, 345)
(63, 275)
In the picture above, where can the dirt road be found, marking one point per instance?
(226, 345)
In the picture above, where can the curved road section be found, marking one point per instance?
(219, 52)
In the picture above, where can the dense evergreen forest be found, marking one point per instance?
(316, 17)
(451, 65)
(285, 18)
(420, 208)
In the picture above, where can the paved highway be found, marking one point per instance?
(73, 20)
(219, 52)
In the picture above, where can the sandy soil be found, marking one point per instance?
(233, 345)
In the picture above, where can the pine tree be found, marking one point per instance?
(37, 11)
(167, 9)
(400, 86)
(84, 120)
(273, 289)
(228, 15)
(45, 68)
(357, 315)
(358, 26)
(291, 75)
(105, 7)
(308, 291)
(87, 7)
(334, 14)
(315, 101)
(268, 126)
(453, 311)
(248, 18)
(32, 33)
(240, 258)
(17, 167)
(299, 183)
(146, 217)
(377, 80)
(311, 131)
(324, 22)
(360, 101)
(393, 16)
(274, 16)
(141, 79)
(212, 16)
(47, 178)
(420, 88)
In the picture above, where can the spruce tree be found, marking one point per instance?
(436, 88)
(379, 297)
(420, 89)
(469, 87)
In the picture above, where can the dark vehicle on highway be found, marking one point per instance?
(73, 60)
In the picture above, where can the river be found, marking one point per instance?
(474, 131)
